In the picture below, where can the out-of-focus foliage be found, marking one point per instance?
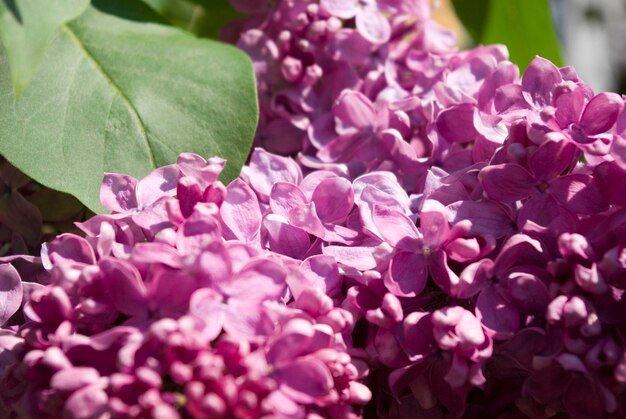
(525, 27)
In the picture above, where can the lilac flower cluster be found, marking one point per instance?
(449, 240)
(154, 314)
(482, 255)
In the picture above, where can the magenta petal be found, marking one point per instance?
(611, 179)
(198, 231)
(540, 79)
(434, 224)
(169, 291)
(507, 182)
(70, 248)
(72, 379)
(443, 276)
(407, 274)
(618, 149)
(496, 313)
(601, 113)
(350, 46)
(354, 109)
(569, 106)
(473, 279)
(152, 252)
(240, 211)
(154, 217)
(551, 158)
(456, 124)
(284, 238)
(418, 335)
(284, 197)
(396, 228)
(305, 217)
(266, 169)
(528, 292)
(373, 25)
(362, 258)
(10, 292)
(517, 250)
(160, 182)
(487, 217)
(344, 9)
(260, 280)
(321, 272)
(402, 153)
(125, 286)
(541, 209)
(117, 192)
(195, 166)
(334, 199)
(206, 304)
(505, 73)
(88, 402)
(305, 380)
(578, 193)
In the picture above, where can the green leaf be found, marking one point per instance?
(26, 27)
(525, 27)
(201, 17)
(126, 96)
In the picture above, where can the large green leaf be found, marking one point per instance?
(26, 27)
(126, 96)
(524, 26)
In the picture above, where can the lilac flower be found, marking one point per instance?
(421, 252)
(370, 22)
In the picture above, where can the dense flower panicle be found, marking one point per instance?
(156, 314)
(475, 191)
(421, 232)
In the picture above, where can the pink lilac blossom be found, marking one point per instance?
(420, 233)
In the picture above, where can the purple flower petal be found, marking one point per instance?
(125, 286)
(539, 80)
(578, 193)
(601, 113)
(407, 274)
(456, 124)
(434, 224)
(418, 335)
(70, 248)
(444, 277)
(305, 380)
(496, 313)
(473, 279)
(241, 212)
(10, 292)
(362, 258)
(260, 280)
(267, 169)
(551, 158)
(611, 179)
(196, 167)
(334, 200)
(284, 238)
(354, 109)
(507, 182)
(373, 25)
(160, 182)
(344, 9)
(396, 228)
(117, 192)
(88, 402)
(284, 197)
